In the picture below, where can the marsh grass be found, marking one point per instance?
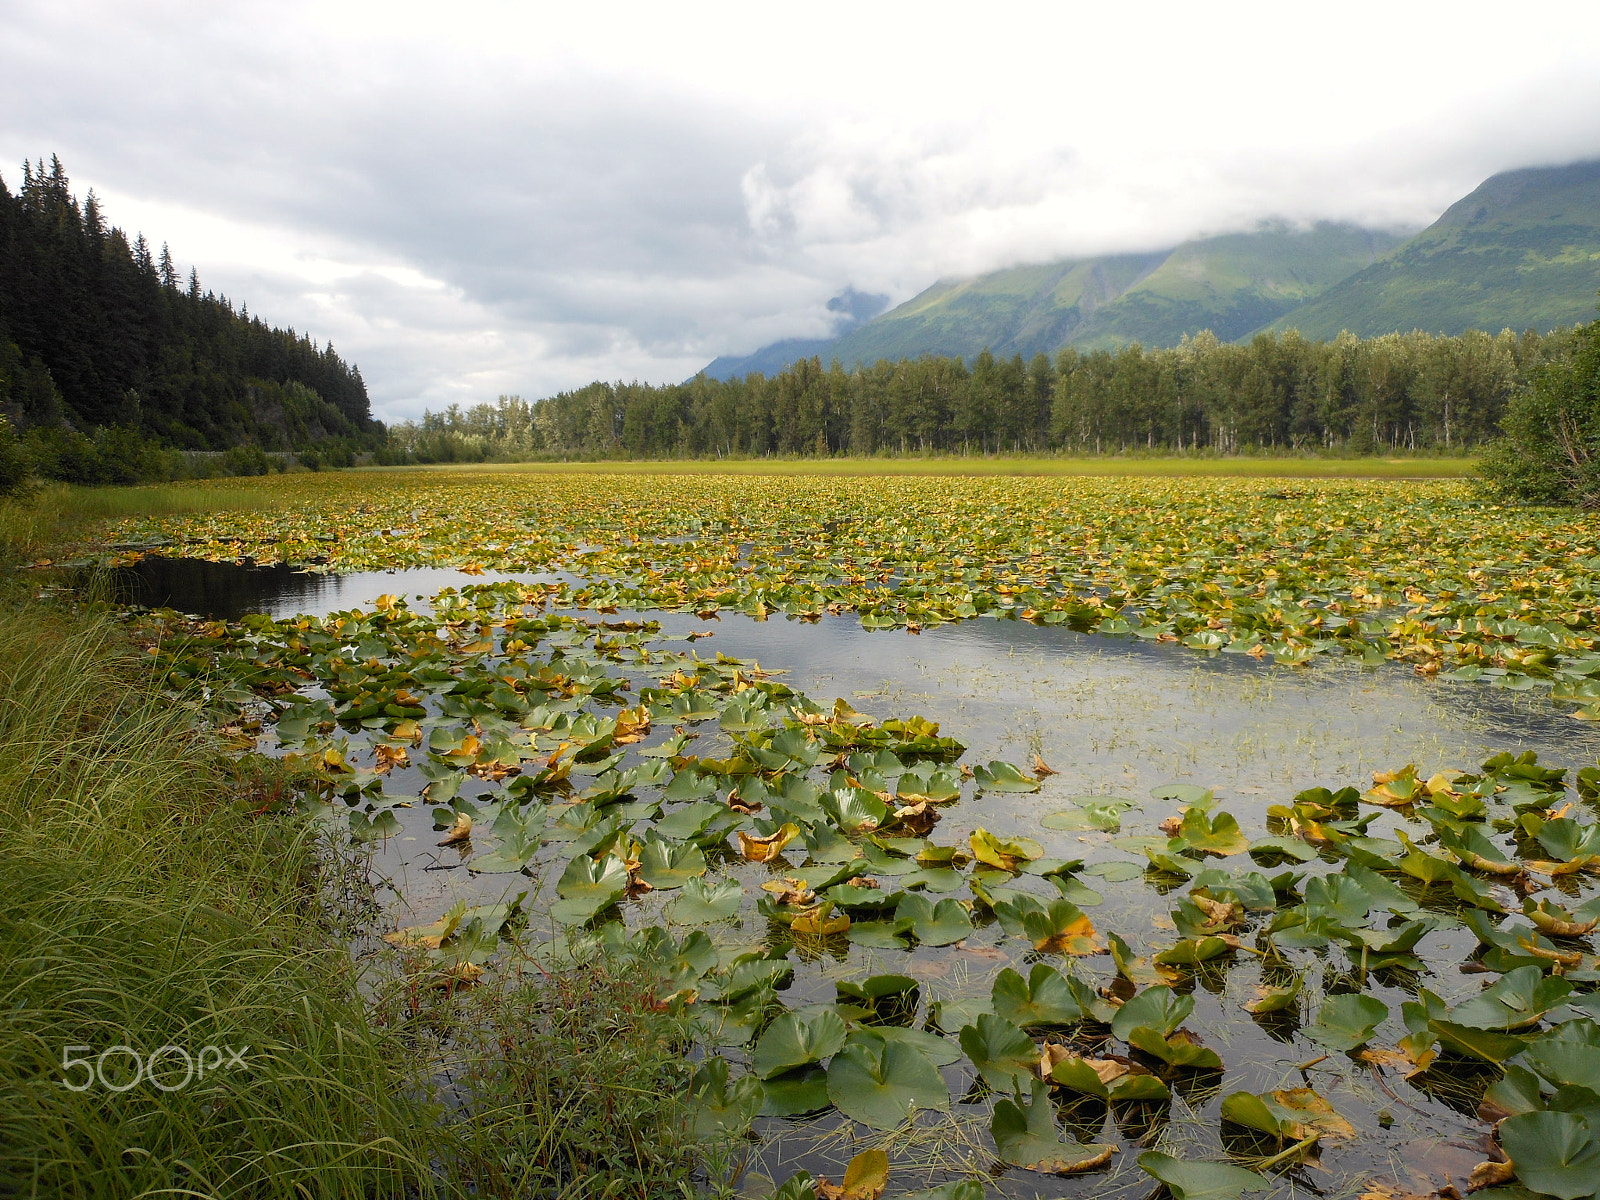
(55, 519)
(147, 901)
(576, 1083)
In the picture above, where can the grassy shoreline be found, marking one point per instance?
(164, 897)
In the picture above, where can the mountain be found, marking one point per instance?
(1521, 251)
(1231, 285)
(852, 308)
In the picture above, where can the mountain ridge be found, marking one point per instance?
(1522, 250)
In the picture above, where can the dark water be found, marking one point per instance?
(228, 591)
(1116, 716)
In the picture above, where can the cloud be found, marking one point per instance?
(521, 198)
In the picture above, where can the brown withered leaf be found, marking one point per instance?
(790, 891)
(390, 757)
(460, 832)
(1042, 768)
(765, 849)
(1490, 1174)
(917, 819)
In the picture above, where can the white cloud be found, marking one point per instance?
(522, 197)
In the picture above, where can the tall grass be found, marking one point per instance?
(53, 519)
(142, 904)
(159, 895)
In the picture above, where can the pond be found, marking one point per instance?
(1150, 724)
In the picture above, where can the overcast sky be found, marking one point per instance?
(478, 198)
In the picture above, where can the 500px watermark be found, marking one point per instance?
(169, 1068)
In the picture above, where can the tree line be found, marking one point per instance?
(106, 351)
(1414, 393)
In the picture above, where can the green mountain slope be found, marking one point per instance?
(1231, 285)
(1521, 251)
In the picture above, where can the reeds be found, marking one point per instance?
(143, 906)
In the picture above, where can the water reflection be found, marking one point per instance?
(230, 590)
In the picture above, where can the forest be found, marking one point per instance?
(106, 351)
(1401, 393)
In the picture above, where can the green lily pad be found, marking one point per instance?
(1025, 1136)
(795, 1094)
(1158, 1008)
(702, 901)
(881, 1082)
(893, 934)
(1553, 1152)
(1567, 1054)
(940, 1051)
(667, 865)
(1177, 1050)
(934, 924)
(1516, 1000)
(1099, 813)
(1278, 848)
(1115, 872)
(718, 1108)
(796, 1039)
(587, 886)
(1004, 777)
(1217, 835)
(1249, 1110)
(890, 999)
(1188, 1180)
(1005, 1056)
(1347, 1021)
(1044, 998)
(1488, 1044)
(1192, 951)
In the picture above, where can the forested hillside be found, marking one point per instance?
(1522, 250)
(1410, 392)
(101, 334)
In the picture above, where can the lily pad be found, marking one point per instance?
(1043, 998)
(796, 1093)
(1100, 813)
(1025, 1136)
(1004, 1055)
(934, 924)
(667, 865)
(1004, 777)
(702, 901)
(587, 886)
(1347, 1021)
(1158, 1008)
(796, 1039)
(881, 1082)
(1189, 1180)
(1553, 1152)
(718, 1108)
(1516, 1000)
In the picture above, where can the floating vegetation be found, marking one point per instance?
(1414, 572)
(747, 850)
